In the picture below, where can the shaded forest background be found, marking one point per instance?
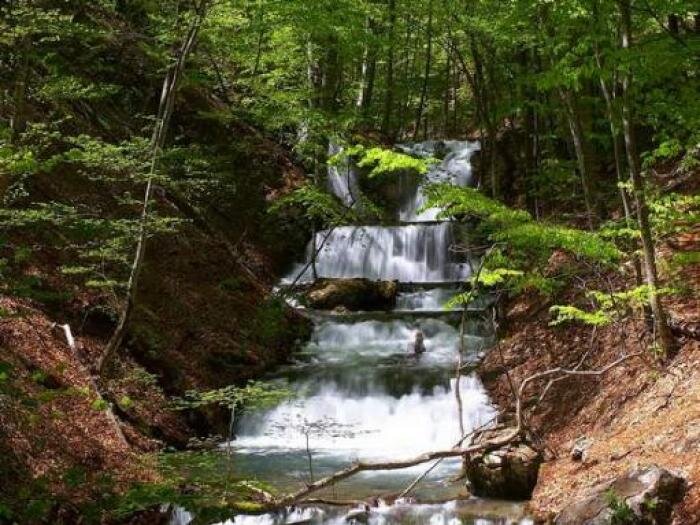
(588, 116)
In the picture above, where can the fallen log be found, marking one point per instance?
(486, 446)
(393, 465)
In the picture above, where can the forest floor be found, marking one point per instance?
(202, 322)
(639, 414)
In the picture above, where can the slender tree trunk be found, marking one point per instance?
(662, 332)
(165, 110)
(482, 112)
(446, 95)
(332, 74)
(577, 137)
(455, 95)
(369, 67)
(18, 122)
(484, 101)
(426, 72)
(618, 153)
(408, 63)
(390, 87)
(260, 42)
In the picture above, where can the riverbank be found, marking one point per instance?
(639, 414)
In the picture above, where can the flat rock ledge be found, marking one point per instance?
(352, 294)
(509, 472)
(643, 496)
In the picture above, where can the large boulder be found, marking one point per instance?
(640, 497)
(509, 472)
(353, 294)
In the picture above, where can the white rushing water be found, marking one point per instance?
(425, 299)
(452, 513)
(360, 391)
(455, 168)
(334, 341)
(343, 179)
(410, 253)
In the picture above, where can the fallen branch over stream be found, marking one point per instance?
(515, 434)
(393, 465)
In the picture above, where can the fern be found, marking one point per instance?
(568, 313)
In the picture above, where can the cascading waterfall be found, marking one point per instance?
(409, 253)
(360, 391)
(343, 179)
(455, 168)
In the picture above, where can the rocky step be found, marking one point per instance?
(365, 295)
(449, 316)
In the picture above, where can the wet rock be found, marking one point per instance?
(352, 294)
(509, 472)
(360, 515)
(640, 497)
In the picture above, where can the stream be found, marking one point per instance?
(361, 393)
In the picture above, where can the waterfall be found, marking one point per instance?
(455, 168)
(343, 179)
(410, 253)
(360, 390)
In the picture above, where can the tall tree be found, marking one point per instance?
(661, 328)
(390, 81)
(426, 72)
(160, 131)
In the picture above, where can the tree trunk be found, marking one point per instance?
(481, 105)
(18, 122)
(389, 98)
(165, 110)
(446, 96)
(369, 68)
(331, 76)
(426, 72)
(578, 139)
(408, 62)
(663, 334)
(618, 147)
(484, 101)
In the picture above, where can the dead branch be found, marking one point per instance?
(423, 475)
(457, 451)
(393, 465)
(334, 502)
(564, 372)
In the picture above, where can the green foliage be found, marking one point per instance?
(567, 313)
(141, 376)
(494, 277)
(684, 259)
(5, 370)
(383, 161)
(254, 394)
(71, 88)
(611, 306)
(673, 213)
(667, 150)
(621, 513)
(214, 492)
(99, 405)
(125, 402)
(516, 229)
(316, 206)
(487, 278)
(269, 322)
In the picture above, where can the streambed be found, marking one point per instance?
(362, 394)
